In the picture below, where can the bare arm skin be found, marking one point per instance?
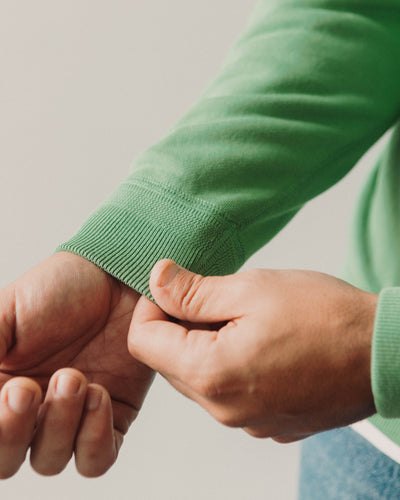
(67, 314)
(281, 354)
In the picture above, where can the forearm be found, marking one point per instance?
(307, 88)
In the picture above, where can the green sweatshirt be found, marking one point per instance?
(307, 88)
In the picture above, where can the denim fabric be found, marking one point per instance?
(342, 465)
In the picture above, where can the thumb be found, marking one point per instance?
(195, 298)
(165, 346)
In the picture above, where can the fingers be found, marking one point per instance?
(59, 420)
(19, 403)
(149, 326)
(75, 417)
(166, 346)
(97, 444)
(189, 296)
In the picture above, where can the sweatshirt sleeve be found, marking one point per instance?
(303, 93)
(385, 374)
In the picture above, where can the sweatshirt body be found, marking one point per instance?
(373, 264)
(307, 88)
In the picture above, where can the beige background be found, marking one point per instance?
(85, 86)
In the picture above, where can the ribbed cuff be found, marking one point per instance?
(142, 223)
(385, 360)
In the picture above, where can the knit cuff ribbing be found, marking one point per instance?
(140, 224)
(385, 367)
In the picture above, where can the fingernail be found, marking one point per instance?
(19, 399)
(67, 385)
(93, 399)
(167, 275)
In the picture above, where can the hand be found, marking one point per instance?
(282, 354)
(67, 312)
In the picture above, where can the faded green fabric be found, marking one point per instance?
(373, 264)
(307, 88)
(386, 353)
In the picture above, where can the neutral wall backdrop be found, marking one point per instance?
(85, 86)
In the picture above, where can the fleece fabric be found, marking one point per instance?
(306, 89)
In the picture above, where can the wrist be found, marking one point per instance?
(371, 303)
(354, 370)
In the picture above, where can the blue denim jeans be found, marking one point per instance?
(342, 465)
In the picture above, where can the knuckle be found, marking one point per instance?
(209, 386)
(259, 433)
(284, 439)
(190, 297)
(136, 342)
(133, 343)
(205, 387)
(93, 453)
(228, 418)
(90, 464)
